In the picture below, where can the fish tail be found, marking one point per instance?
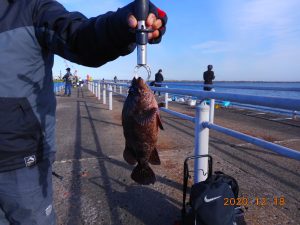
(154, 158)
(143, 174)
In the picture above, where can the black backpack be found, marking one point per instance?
(207, 205)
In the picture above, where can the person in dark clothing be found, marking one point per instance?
(68, 82)
(36, 30)
(208, 77)
(158, 79)
(115, 79)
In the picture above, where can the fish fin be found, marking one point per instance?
(159, 122)
(133, 82)
(143, 174)
(128, 156)
(154, 157)
(147, 117)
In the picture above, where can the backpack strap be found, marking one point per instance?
(232, 182)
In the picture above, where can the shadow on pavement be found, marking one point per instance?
(140, 201)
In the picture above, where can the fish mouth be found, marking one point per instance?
(138, 86)
(138, 82)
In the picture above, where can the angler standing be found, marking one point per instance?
(208, 77)
(68, 78)
(158, 79)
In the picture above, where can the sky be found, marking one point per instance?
(244, 40)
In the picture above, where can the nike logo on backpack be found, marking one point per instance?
(207, 200)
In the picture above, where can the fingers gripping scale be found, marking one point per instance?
(141, 13)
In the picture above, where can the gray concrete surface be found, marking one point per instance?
(96, 187)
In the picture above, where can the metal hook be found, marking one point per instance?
(137, 67)
(203, 172)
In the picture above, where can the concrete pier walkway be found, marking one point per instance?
(96, 187)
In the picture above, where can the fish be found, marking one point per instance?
(141, 123)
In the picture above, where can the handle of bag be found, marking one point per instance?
(186, 177)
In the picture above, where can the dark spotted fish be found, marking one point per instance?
(141, 122)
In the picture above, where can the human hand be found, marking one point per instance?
(156, 21)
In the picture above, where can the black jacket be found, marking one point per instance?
(159, 77)
(31, 32)
(68, 78)
(208, 77)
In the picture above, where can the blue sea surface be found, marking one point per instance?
(227, 88)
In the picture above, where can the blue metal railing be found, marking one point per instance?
(276, 102)
(249, 89)
(180, 115)
(267, 109)
(58, 86)
(272, 102)
(283, 103)
(266, 88)
(256, 141)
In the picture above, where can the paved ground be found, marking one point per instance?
(96, 187)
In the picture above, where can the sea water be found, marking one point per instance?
(227, 88)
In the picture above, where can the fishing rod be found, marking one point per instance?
(141, 13)
(67, 65)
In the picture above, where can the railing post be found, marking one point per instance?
(99, 90)
(166, 99)
(96, 89)
(294, 115)
(104, 94)
(120, 89)
(212, 109)
(115, 88)
(201, 142)
(110, 97)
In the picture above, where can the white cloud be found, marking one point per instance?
(247, 40)
(263, 38)
(269, 18)
(212, 47)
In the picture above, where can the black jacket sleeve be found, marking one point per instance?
(212, 75)
(90, 42)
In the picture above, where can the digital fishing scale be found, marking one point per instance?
(141, 13)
